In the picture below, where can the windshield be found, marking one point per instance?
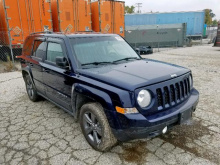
(102, 50)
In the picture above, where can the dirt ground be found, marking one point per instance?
(9, 67)
(41, 133)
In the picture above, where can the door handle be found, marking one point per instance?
(46, 70)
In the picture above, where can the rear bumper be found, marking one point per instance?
(141, 127)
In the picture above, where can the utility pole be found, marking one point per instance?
(138, 5)
(158, 35)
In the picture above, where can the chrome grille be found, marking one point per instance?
(172, 94)
(159, 97)
(182, 89)
(177, 91)
(166, 96)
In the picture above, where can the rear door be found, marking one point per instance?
(36, 61)
(57, 80)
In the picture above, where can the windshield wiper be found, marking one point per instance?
(128, 58)
(105, 62)
(96, 63)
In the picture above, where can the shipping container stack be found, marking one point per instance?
(20, 18)
(108, 16)
(71, 15)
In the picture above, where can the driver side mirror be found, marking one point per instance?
(62, 62)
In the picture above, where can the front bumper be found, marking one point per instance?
(143, 127)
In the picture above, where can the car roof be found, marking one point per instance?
(71, 35)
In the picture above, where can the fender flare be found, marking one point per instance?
(92, 94)
(28, 71)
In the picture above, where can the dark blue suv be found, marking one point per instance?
(104, 84)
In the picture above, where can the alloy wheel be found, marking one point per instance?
(92, 128)
(30, 89)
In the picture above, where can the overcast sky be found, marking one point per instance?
(177, 5)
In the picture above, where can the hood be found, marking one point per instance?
(134, 74)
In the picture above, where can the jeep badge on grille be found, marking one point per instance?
(173, 75)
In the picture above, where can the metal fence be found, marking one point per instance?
(167, 44)
(8, 53)
(211, 34)
(157, 46)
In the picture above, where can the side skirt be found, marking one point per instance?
(66, 110)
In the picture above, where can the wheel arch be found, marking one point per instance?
(82, 94)
(27, 71)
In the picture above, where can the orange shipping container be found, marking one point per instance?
(108, 16)
(19, 18)
(71, 15)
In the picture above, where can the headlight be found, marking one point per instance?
(190, 82)
(144, 98)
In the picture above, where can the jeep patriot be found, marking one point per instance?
(114, 93)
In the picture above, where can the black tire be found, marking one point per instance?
(95, 127)
(31, 91)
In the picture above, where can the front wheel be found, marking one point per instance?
(95, 127)
(31, 91)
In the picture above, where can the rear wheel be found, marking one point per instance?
(95, 127)
(31, 91)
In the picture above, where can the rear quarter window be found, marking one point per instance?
(28, 44)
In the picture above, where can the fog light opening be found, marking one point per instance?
(164, 130)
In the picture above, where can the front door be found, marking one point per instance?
(57, 80)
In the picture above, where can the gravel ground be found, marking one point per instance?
(41, 133)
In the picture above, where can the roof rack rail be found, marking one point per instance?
(46, 32)
(84, 31)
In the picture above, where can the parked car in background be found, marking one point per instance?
(104, 84)
(142, 50)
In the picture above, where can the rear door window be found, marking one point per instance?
(39, 49)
